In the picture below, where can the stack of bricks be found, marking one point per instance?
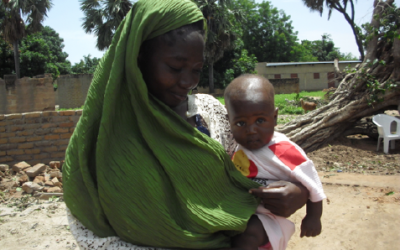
(36, 137)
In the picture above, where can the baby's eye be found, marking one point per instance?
(175, 69)
(240, 124)
(260, 120)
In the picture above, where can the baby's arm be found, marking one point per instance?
(311, 224)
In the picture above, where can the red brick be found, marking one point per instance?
(13, 116)
(44, 143)
(33, 151)
(32, 126)
(17, 128)
(25, 146)
(17, 122)
(72, 130)
(6, 135)
(17, 139)
(41, 156)
(63, 147)
(34, 138)
(33, 115)
(6, 159)
(60, 130)
(58, 155)
(79, 112)
(61, 142)
(15, 152)
(4, 147)
(49, 113)
(23, 157)
(4, 123)
(2, 117)
(66, 136)
(33, 120)
(2, 129)
(50, 149)
(2, 153)
(49, 125)
(3, 141)
(25, 132)
(67, 112)
(67, 125)
(52, 137)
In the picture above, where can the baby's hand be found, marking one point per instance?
(310, 226)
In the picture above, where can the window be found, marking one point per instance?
(277, 76)
(294, 76)
(316, 75)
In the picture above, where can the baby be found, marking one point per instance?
(266, 155)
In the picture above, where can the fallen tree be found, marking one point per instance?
(372, 87)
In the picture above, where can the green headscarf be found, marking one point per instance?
(134, 168)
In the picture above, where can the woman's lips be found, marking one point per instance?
(179, 96)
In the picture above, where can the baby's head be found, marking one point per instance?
(249, 100)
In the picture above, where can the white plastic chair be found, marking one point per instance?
(383, 123)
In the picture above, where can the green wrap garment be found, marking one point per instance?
(134, 168)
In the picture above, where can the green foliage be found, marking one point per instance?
(267, 32)
(86, 66)
(6, 58)
(102, 17)
(42, 53)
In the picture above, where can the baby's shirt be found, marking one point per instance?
(280, 159)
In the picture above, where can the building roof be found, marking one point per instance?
(305, 63)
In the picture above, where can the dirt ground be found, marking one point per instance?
(362, 210)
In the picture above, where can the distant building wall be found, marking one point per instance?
(286, 85)
(72, 90)
(27, 95)
(312, 75)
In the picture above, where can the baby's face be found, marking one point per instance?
(252, 118)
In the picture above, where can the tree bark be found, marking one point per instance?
(349, 104)
(211, 77)
(16, 58)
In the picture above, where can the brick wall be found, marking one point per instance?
(72, 90)
(36, 137)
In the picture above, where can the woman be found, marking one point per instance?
(136, 167)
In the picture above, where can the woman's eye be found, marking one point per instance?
(260, 120)
(240, 124)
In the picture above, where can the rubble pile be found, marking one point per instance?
(38, 180)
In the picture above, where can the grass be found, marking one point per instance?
(289, 109)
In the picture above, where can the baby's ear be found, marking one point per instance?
(276, 116)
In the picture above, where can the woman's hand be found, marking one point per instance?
(282, 198)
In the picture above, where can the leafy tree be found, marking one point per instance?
(220, 36)
(102, 17)
(6, 58)
(341, 7)
(268, 32)
(13, 26)
(42, 52)
(86, 66)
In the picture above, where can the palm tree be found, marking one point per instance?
(220, 36)
(102, 17)
(340, 6)
(13, 26)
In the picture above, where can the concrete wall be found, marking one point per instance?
(72, 90)
(36, 137)
(286, 86)
(27, 94)
(311, 76)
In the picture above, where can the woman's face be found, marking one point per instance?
(170, 72)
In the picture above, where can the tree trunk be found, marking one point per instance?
(211, 77)
(349, 104)
(16, 58)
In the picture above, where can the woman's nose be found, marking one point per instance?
(188, 80)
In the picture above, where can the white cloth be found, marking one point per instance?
(280, 159)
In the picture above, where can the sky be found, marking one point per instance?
(66, 19)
